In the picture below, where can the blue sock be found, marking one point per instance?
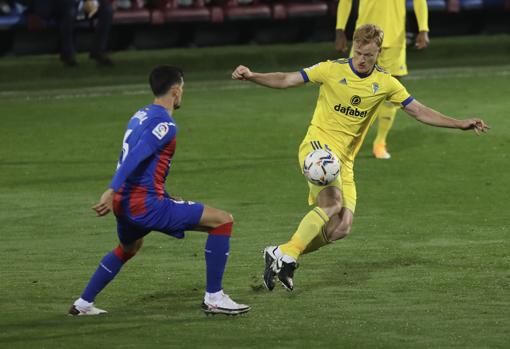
(108, 268)
(216, 254)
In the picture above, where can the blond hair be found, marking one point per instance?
(368, 33)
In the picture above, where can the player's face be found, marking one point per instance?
(365, 56)
(178, 91)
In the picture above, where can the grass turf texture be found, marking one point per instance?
(426, 264)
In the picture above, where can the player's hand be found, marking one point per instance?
(340, 41)
(242, 73)
(476, 125)
(422, 40)
(105, 203)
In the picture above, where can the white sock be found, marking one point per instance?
(213, 297)
(288, 259)
(82, 303)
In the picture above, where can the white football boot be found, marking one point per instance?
(81, 307)
(221, 303)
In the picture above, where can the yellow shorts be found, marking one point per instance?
(392, 59)
(344, 182)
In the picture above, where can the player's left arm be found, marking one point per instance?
(432, 117)
(422, 17)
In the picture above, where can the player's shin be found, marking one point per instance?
(308, 229)
(108, 268)
(317, 242)
(386, 115)
(217, 250)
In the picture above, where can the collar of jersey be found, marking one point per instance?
(161, 107)
(361, 75)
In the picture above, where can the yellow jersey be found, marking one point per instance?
(347, 103)
(389, 15)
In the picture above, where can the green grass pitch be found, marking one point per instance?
(426, 266)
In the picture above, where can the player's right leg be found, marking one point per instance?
(218, 224)
(131, 238)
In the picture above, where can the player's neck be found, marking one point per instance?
(166, 103)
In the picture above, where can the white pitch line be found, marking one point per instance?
(226, 85)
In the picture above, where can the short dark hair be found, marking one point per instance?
(163, 77)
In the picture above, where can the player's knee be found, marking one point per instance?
(226, 218)
(332, 209)
(126, 252)
(340, 232)
(330, 200)
(224, 226)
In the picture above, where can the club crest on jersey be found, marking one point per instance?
(161, 129)
(375, 87)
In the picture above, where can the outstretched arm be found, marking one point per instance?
(273, 80)
(432, 117)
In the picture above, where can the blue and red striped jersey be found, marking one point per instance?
(147, 151)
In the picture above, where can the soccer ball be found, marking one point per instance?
(321, 167)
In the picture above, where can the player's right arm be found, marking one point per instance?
(153, 137)
(273, 80)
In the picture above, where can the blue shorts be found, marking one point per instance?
(165, 215)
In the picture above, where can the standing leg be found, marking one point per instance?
(219, 226)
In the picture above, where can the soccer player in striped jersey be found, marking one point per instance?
(390, 16)
(350, 92)
(140, 203)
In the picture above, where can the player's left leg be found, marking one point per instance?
(131, 240)
(219, 225)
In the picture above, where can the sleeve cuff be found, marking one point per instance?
(304, 75)
(407, 101)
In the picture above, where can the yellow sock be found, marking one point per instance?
(317, 242)
(386, 114)
(308, 229)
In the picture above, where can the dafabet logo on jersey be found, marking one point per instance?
(349, 111)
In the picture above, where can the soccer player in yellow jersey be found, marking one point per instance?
(390, 16)
(350, 92)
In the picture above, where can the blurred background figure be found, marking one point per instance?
(66, 13)
(5, 7)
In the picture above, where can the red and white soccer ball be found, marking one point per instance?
(321, 167)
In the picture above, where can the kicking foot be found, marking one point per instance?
(223, 305)
(380, 151)
(270, 270)
(286, 273)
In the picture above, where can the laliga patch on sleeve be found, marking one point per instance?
(162, 129)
